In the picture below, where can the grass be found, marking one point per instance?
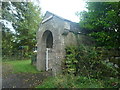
(68, 81)
(20, 66)
(63, 81)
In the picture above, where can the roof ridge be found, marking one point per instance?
(60, 17)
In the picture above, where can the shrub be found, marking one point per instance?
(89, 61)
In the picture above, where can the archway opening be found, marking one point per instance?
(47, 45)
(47, 39)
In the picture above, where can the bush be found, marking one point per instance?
(90, 62)
(111, 83)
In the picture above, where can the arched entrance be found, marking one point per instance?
(47, 44)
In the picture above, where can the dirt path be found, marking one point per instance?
(21, 80)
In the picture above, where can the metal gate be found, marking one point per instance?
(48, 59)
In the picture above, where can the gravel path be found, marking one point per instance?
(21, 80)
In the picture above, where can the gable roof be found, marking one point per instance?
(47, 12)
(75, 27)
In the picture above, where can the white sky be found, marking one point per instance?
(63, 8)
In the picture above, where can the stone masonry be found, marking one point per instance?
(54, 34)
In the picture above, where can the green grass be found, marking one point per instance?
(20, 66)
(68, 81)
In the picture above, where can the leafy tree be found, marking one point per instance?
(25, 18)
(28, 24)
(7, 35)
(102, 21)
(7, 42)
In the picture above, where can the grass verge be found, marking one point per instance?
(69, 81)
(20, 66)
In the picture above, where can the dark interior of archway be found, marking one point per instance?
(49, 41)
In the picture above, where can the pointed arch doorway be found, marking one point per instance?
(47, 45)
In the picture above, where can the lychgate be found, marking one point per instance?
(54, 34)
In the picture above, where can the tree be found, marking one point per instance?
(25, 18)
(102, 21)
(7, 34)
(28, 24)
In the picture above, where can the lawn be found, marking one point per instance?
(22, 66)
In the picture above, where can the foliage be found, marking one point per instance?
(71, 60)
(102, 21)
(21, 66)
(111, 83)
(105, 39)
(25, 18)
(7, 42)
(26, 32)
(90, 62)
(69, 81)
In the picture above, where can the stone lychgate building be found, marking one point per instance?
(54, 34)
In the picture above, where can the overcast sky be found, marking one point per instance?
(63, 8)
